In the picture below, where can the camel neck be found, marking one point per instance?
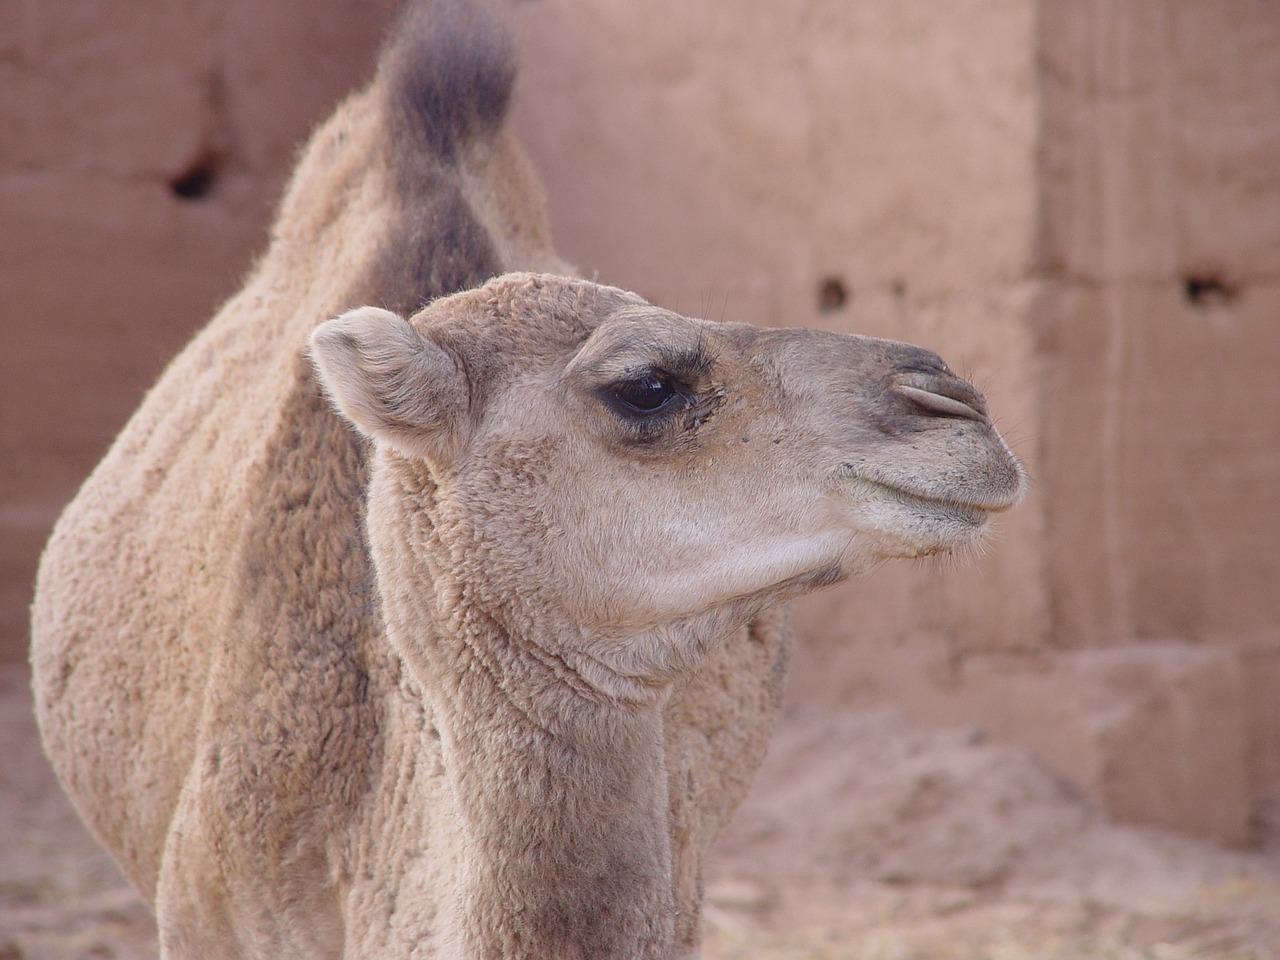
(560, 789)
(565, 834)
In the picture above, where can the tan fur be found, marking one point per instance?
(510, 721)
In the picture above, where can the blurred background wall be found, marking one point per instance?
(1077, 203)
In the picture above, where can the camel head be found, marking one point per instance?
(590, 457)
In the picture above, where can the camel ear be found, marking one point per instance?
(398, 387)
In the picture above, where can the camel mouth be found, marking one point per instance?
(968, 511)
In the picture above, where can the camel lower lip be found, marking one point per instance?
(971, 513)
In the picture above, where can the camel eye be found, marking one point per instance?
(648, 393)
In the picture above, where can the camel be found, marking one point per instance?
(430, 604)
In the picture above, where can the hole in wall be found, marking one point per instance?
(1208, 289)
(196, 180)
(832, 294)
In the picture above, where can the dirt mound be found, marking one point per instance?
(867, 837)
(859, 796)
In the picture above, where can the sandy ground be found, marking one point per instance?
(863, 839)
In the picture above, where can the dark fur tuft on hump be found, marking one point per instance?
(448, 73)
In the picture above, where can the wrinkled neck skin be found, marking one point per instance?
(556, 761)
(566, 849)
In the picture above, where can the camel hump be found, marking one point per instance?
(447, 72)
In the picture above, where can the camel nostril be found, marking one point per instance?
(960, 400)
